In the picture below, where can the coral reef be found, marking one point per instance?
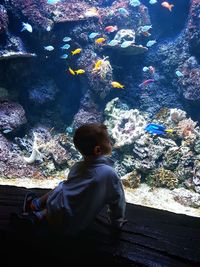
(126, 125)
(186, 197)
(35, 11)
(131, 179)
(12, 116)
(162, 178)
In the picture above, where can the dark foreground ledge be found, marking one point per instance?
(150, 238)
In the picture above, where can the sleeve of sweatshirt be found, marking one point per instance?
(117, 203)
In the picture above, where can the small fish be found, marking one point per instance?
(145, 28)
(145, 69)
(91, 12)
(72, 71)
(49, 48)
(167, 5)
(126, 44)
(66, 46)
(67, 39)
(97, 65)
(93, 35)
(147, 34)
(100, 40)
(123, 11)
(27, 27)
(7, 130)
(152, 69)
(76, 51)
(135, 3)
(179, 73)
(110, 28)
(150, 43)
(146, 82)
(52, 2)
(65, 56)
(117, 85)
(113, 43)
(79, 71)
(153, 2)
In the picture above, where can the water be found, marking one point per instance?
(47, 93)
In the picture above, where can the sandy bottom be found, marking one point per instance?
(159, 198)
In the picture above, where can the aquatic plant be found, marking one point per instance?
(103, 69)
(162, 178)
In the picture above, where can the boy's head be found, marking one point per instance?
(92, 139)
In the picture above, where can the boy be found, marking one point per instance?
(91, 184)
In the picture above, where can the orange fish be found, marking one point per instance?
(110, 28)
(167, 5)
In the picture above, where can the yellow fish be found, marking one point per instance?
(80, 71)
(117, 85)
(97, 64)
(100, 40)
(72, 71)
(76, 51)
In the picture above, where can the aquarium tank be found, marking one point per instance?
(133, 65)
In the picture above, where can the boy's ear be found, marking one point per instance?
(97, 150)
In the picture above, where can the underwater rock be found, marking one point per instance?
(131, 179)
(125, 35)
(130, 50)
(84, 116)
(12, 164)
(12, 54)
(193, 26)
(43, 92)
(12, 116)
(3, 19)
(34, 11)
(187, 197)
(171, 158)
(69, 11)
(14, 48)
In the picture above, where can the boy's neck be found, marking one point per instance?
(89, 158)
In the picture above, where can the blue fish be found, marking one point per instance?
(67, 39)
(123, 11)
(154, 128)
(66, 46)
(65, 56)
(52, 2)
(93, 35)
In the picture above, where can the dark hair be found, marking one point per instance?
(89, 135)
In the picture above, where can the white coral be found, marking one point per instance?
(35, 154)
(177, 115)
(126, 125)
